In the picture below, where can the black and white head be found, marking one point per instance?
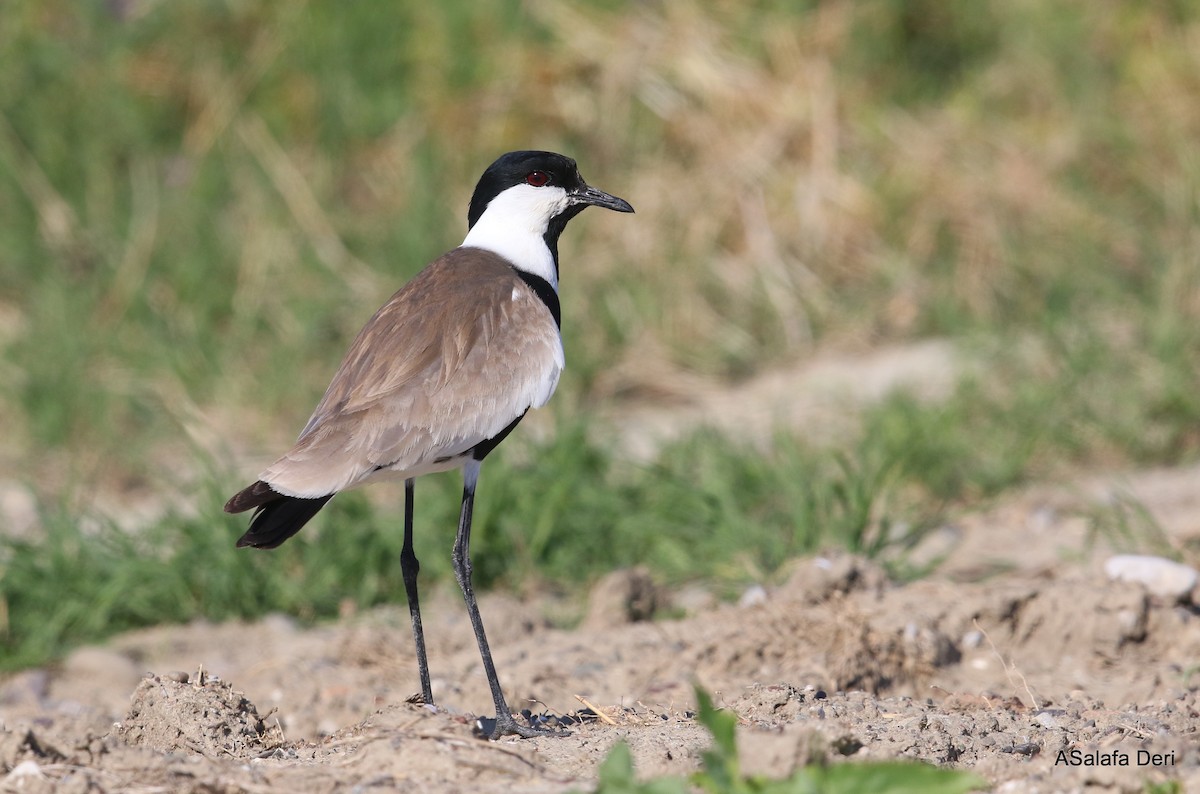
(522, 204)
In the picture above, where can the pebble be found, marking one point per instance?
(755, 595)
(25, 769)
(1048, 718)
(1161, 577)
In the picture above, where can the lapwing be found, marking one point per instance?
(441, 375)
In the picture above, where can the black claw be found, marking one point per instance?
(491, 728)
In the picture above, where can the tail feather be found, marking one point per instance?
(254, 495)
(277, 517)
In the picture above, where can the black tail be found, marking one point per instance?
(277, 518)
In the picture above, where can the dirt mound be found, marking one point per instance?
(170, 714)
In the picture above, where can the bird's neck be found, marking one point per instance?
(522, 224)
(526, 249)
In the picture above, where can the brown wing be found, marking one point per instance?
(449, 361)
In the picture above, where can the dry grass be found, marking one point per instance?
(786, 196)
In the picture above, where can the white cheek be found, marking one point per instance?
(513, 226)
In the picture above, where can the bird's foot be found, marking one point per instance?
(418, 699)
(506, 725)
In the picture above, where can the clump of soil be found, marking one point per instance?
(171, 714)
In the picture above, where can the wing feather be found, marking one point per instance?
(448, 362)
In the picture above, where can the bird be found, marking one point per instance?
(439, 376)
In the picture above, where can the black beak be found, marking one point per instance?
(590, 195)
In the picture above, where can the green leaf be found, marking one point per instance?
(617, 776)
(722, 724)
(616, 772)
(721, 772)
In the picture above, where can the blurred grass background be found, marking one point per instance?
(201, 203)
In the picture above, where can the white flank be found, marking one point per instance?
(513, 226)
(549, 385)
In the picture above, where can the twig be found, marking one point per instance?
(1008, 670)
(607, 719)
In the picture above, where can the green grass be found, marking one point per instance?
(203, 202)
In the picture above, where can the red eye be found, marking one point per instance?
(537, 178)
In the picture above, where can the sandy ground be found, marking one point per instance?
(1016, 649)
(1018, 658)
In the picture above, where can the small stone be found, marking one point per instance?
(755, 595)
(1159, 576)
(1048, 718)
(25, 769)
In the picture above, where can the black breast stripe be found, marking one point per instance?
(544, 291)
(480, 451)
